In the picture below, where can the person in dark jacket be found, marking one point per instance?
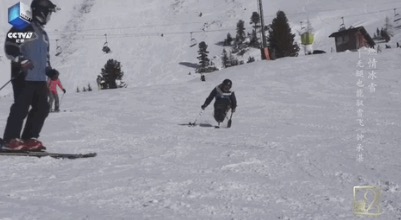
(224, 100)
(29, 68)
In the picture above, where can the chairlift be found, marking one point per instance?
(58, 48)
(193, 41)
(106, 48)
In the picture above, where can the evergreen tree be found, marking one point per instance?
(228, 40)
(225, 59)
(203, 57)
(255, 20)
(254, 41)
(388, 27)
(89, 87)
(241, 35)
(112, 72)
(83, 89)
(281, 39)
(384, 35)
(78, 90)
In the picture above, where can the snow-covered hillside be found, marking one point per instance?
(152, 39)
(291, 152)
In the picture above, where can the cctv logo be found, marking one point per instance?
(20, 37)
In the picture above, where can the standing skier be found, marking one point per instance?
(29, 66)
(53, 83)
(225, 100)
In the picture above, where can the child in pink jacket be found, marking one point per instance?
(53, 82)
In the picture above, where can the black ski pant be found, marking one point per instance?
(220, 110)
(219, 114)
(31, 101)
(18, 83)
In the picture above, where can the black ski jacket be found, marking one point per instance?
(221, 96)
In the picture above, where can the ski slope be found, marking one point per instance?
(291, 152)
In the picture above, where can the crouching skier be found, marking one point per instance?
(225, 100)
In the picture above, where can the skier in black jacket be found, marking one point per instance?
(30, 66)
(225, 100)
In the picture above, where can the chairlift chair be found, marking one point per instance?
(106, 48)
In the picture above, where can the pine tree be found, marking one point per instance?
(228, 40)
(281, 39)
(89, 87)
(112, 72)
(388, 27)
(241, 35)
(254, 41)
(384, 35)
(255, 20)
(203, 57)
(78, 90)
(225, 60)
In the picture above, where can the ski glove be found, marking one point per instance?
(203, 107)
(64, 90)
(26, 65)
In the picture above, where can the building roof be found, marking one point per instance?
(354, 30)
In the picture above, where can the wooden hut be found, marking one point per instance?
(352, 39)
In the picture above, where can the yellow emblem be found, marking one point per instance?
(367, 201)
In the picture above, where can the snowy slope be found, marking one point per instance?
(290, 154)
(135, 30)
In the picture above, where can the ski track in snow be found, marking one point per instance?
(73, 27)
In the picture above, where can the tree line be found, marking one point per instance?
(280, 43)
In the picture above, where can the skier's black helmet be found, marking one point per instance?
(42, 10)
(228, 83)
